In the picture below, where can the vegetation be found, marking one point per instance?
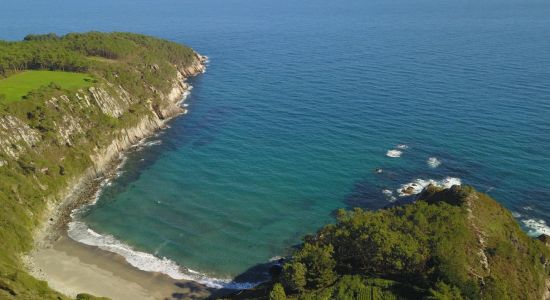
(17, 86)
(134, 70)
(450, 244)
(277, 293)
(84, 296)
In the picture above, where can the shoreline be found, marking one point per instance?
(70, 266)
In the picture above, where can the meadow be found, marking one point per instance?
(15, 87)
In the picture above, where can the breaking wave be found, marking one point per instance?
(389, 195)
(416, 186)
(394, 153)
(80, 232)
(536, 227)
(402, 146)
(433, 162)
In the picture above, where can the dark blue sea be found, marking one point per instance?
(300, 104)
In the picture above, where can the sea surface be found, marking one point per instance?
(294, 118)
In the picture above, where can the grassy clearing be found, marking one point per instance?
(16, 86)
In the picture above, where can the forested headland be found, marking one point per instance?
(68, 106)
(452, 243)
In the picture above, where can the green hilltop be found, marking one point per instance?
(452, 243)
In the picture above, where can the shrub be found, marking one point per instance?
(318, 263)
(277, 293)
(294, 276)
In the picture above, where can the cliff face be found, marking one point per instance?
(155, 118)
(17, 137)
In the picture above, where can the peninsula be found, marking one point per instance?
(69, 106)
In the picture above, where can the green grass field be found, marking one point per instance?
(16, 86)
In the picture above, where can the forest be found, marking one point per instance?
(452, 243)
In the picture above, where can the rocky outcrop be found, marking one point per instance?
(197, 67)
(113, 103)
(126, 138)
(16, 136)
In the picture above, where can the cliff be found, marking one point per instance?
(55, 141)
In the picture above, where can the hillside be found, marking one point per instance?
(68, 106)
(455, 243)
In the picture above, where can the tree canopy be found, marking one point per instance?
(450, 244)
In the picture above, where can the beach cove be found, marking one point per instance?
(306, 109)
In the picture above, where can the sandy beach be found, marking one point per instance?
(73, 268)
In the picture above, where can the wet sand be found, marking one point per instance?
(73, 268)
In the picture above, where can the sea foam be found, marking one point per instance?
(394, 153)
(80, 232)
(416, 186)
(433, 162)
(402, 146)
(389, 195)
(536, 227)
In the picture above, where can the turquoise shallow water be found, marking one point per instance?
(299, 105)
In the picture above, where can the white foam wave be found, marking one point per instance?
(105, 181)
(402, 146)
(79, 232)
(152, 143)
(123, 159)
(536, 227)
(394, 153)
(139, 146)
(389, 195)
(433, 162)
(276, 258)
(186, 93)
(516, 215)
(415, 187)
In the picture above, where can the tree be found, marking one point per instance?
(277, 293)
(444, 291)
(294, 276)
(319, 264)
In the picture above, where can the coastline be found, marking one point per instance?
(69, 266)
(72, 267)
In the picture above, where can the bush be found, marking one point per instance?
(277, 293)
(318, 263)
(294, 276)
(443, 291)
